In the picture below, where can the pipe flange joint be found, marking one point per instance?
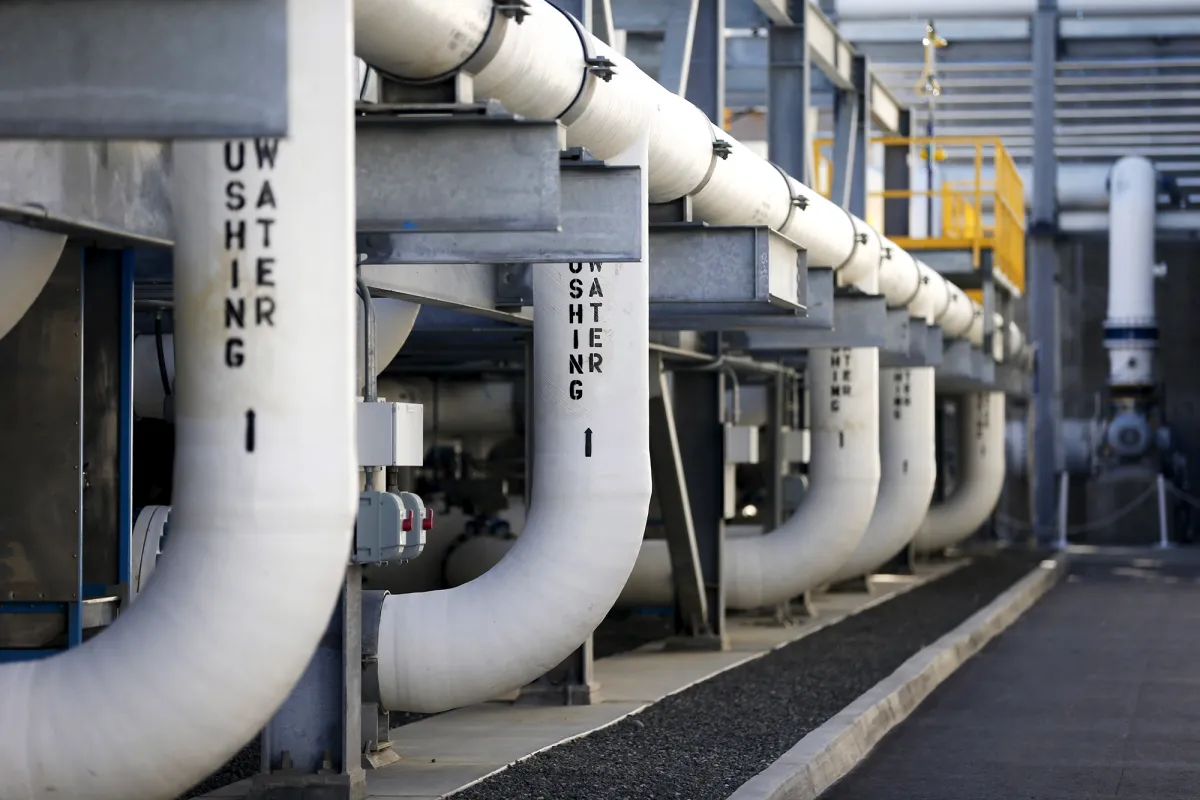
(516, 10)
(595, 67)
(721, 150)
(503, 12)
(855, 241)
(797, 201)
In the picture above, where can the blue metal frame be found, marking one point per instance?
(75, 608)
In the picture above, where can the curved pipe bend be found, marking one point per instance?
(908, 463)
(982, 479)
(28, 256)
(453, 647)
(218, 638)
(808, 549)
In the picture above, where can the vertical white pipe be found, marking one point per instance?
(981, 449)
(264, 469)
(27, 258)
(1131, 329)
(909, 468)
(591, 491)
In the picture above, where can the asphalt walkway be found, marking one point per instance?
(1094, 693)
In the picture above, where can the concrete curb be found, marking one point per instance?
(826, 755)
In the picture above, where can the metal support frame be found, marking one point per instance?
(699, 406)
(598, 222)
(860, 320)
(674, 502)
(897, 177)
(68, 70)
(706, 76)
(789, 140)
(406, 157)
(312, 747)
(852, 132)
(966, 368)
(774, 455)
(1043, 269)
(679, 35)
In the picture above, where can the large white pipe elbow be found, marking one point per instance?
(981, 448)
(27, 258)
(908, 461)
(591, 493)
(264, 473)
(394, 320)
(809, 549)
(1131, 328)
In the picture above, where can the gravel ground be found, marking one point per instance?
(243, 765)
(703, 743)
(617, 634)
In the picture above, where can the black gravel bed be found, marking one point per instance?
(619, 633)
(701, 744)
(244, 765)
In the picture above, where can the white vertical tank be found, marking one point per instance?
(1131, 329)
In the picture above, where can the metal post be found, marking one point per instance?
(897, 178)
(699, 405)
(125, 437)
(772, 512)
(1064, 491)
(852, 130)
(705, 81)
(789, 141)
(1043, 294)
(671, 491)
(312, 744)
(1164, 536)
(678, 36)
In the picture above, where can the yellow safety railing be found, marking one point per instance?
(963, 203)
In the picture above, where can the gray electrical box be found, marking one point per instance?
(390, 527)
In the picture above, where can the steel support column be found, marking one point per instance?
(789, 141)
(896, 177)
(678, 36)
(312, 746)
(699, 410)
(852, 130)
(774, 454)
(1043, 290)
(705, 83)
(671, 491)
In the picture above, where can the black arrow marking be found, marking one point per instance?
(587, 443)
(250, 431)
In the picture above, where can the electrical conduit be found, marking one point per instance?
(264, 471)
(981, 445)
(591, 493)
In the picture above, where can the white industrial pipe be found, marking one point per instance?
(591, 493)
(264, 474)
(812, 546)
(908, 459)
(394, 320)
(981, 478)
(27, 258)
(1131, 329)
(537, 68)
(893, 9)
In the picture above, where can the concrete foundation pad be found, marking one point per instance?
(827, 754)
